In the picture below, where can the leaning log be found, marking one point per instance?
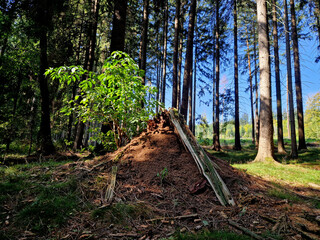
(206, 167)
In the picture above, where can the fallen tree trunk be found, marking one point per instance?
(204, 163)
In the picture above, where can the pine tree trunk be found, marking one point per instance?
(257, 120)
(88, 62)
(251, 88)
(266, 148)
(194, 92)
(216, 142)
(191, 98)
(281, 148)
(119, 26)
(165, 44)
(189, 61)
(175, 55)
(237, 143)
(144, 39)
(294, 152)
(297, 74)
(45, 141)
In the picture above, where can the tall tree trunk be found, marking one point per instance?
(251, 88)
(45, 141)
(288, 115)
(194, 92)
(119, 26)
(257, 120)
(294, 152)
(189, 60)
(183, 11)
(237, 143)
(165, 44)
(281, 148)
(216, 142)
(144, 39)
(88, 62)
(297, 74)
(191, 98)
(117, 42)
(266, 147)
(213, 79)
(175, 55)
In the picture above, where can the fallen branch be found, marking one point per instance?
(305, 234)
(173, 218)
(111, 186)
(245, 230)
(120, 235)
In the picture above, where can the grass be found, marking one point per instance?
(288, 173)
(122, 213)
(35, 199)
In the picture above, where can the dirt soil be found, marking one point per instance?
(155, 178)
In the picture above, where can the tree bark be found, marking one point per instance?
(266, 147)
(45, 140)
(216, 143)
(297, 74)
(175, 56)
(119, 26)
(281, 148)
(165, 44)
(88, 62)
(237, 143)
(251, 88)
(257, 119)
(144, 39)
(189, 61)
(294, 152)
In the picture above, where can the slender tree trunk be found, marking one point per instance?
(257, 120)
(297, 74)
(183, 11)
(281, 148)
(266, 147)
(46, 145)
(288, 115)
(294, 152)
(251, 88)
(89, 62)
(165, 44)
(119, 26)
(144, 39)
(117, 44)
(190, 98)
(194, 92)
(189, 61)
(237, 143)
(175, 56)
(216, 142)
(213, 80)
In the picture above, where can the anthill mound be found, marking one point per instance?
(154, 194)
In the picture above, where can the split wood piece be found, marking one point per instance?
(173, 218)
(112, 184)
(245, 230)
(205, 165)
(121, 235)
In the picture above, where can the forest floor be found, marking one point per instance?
(67, 198)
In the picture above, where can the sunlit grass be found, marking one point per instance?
(282, 172)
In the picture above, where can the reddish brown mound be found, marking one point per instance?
(155, 175)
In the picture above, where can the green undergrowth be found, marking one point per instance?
(122, 213)
(34, 200)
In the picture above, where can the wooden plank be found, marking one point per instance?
(205, 165)
(112, 184)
